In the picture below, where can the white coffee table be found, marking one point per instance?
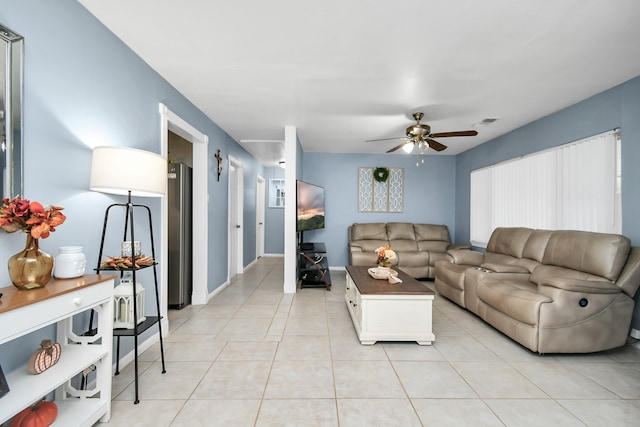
(381, 311)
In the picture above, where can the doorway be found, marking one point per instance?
(260, 216)
(169, 121)
(180, 230)
(236, 197)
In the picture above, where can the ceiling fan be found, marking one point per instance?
(420, 135)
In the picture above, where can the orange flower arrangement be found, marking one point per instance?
(385, 254)
(21, 214)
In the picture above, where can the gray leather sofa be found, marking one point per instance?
(551, 291)
(418, 246)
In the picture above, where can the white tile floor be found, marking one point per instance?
(256, 357)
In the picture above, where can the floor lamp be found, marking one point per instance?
(134, 173)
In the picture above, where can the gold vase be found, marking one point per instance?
(30, 268)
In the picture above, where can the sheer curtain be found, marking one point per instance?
(575, 186)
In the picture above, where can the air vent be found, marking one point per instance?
(486, 122)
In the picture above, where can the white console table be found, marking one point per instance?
(22, 312)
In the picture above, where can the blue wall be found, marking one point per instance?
(83, 87)
(428, 194)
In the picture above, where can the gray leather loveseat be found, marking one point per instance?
(418, 246)
(551, 291)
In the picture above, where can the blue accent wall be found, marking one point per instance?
(428, 194)
(83, 87)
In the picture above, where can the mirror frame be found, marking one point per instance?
(11, 146)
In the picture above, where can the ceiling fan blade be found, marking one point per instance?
(458, 133)
(397, 147)
(386, 139)
(435, 145)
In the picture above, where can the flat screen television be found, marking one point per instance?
(310, 206)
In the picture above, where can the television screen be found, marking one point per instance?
(310, 206)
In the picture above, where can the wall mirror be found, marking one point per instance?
(11, 72)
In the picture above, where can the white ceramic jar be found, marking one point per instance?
(70, 262)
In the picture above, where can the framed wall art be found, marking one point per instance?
(380, 189)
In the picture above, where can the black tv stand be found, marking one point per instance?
(313, 267)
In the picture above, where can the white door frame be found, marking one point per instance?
(260, 215)
(239, 220)
(169, 121)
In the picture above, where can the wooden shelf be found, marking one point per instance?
(125, 269)
(146, 324)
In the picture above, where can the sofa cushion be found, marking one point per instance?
(596, 253)
(413, 259)
(546, 272)
(370, 231)
(433, 245)
(499, 259)
(400, 231)
(368, 245)
(438, 256)
(518, 299)
(509, 241)
(450, 274)
(629, 279)
(367, 259)
(403, 245)
(536, 245)
(432, 232)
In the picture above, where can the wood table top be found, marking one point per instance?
(13, 298)
(367, 285)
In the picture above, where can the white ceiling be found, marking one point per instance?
(346, 71)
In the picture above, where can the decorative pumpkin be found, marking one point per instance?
(42, 414)
(45, 357)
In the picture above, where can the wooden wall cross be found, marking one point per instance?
(219, 157)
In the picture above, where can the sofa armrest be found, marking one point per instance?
(503, 268)
(584, 286)
(355, 248)
(466, 257)
(455, 247)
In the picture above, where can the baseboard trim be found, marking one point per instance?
(248, 266)
(216, 291)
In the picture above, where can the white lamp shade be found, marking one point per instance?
(408, 147)
(118, 170)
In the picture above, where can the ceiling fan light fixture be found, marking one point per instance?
(423, 147)
(420, 134)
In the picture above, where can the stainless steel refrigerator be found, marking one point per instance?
(180, 278)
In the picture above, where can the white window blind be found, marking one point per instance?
(575, 186)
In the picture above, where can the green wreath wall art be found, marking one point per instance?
(381, 174)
